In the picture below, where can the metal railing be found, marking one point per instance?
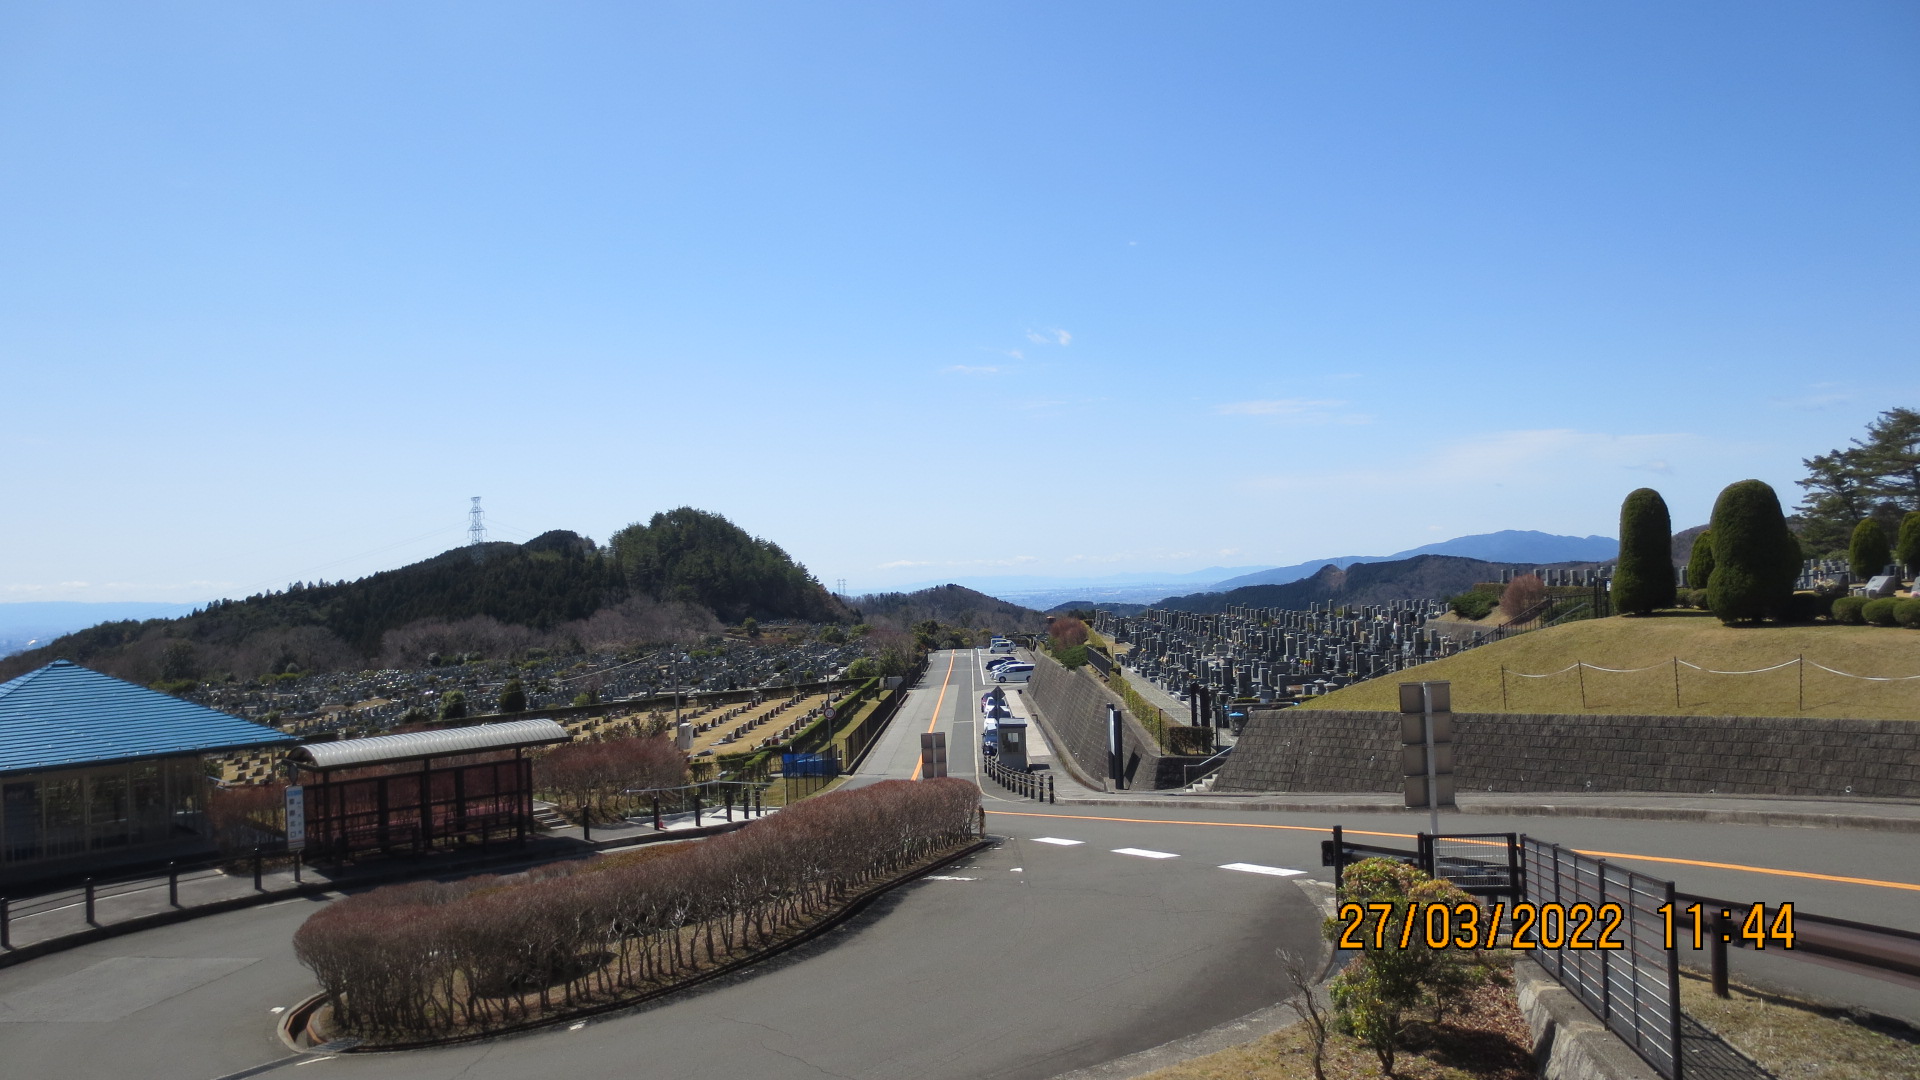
(1192, 774)
(1037, 786)
(1880, 951)
(1633, 989)
(715, 799)
(1478, 864)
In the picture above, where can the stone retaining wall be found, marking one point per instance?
(1330, 751)
(1074, 705)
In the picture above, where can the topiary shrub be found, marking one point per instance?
(1700, 563)
(1868, 553)
(1907, 613)
(1643, 579)
(1755, 556)
(1846, 609)
(1808, 606)
(1698, 598)
(1906, 547)
(1879, 612)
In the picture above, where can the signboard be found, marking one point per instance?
(809, 765)
(296, 818)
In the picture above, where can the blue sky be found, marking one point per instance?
(924, 291)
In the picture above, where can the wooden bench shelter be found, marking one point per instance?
(421, 789)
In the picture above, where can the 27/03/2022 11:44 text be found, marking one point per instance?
(1533, 926)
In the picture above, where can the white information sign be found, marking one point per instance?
(296, 818)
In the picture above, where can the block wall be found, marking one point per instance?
(1333, 751)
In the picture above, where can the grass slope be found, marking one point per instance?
(1654, 643)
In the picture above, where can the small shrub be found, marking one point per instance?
(1879, 612)
(1522, 595)
(1072, 656)
(1476, 603)
(1805, 607)
(453, 706)
(1698, 597)
(1846, 609)
(1907, 613)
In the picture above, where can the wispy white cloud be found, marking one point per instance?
(1050, 337)
(1296, 410)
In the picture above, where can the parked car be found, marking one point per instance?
(1014, 673)
(1000, 645)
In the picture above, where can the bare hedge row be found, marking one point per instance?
(430, 959)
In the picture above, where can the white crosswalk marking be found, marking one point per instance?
(1056, 840)
(1144, 853)
(1256, 868)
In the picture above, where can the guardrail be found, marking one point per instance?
(1880, 951)
(1036, 786)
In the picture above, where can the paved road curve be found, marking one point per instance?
(1090, 933)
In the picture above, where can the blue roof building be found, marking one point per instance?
(94, 767)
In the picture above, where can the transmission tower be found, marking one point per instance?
(840, 587)
(476, 527)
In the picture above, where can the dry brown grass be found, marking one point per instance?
(1795, 1039)
(1655, 642)
(1487, 1039)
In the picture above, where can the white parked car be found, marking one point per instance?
(1013, 673)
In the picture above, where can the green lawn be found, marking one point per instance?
(1653, 643)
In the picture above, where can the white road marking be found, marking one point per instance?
(944, 877)
(576, 1027)
(1056, 840)
(1016, 870)
(277, 1009)
(1256, 868)
(1144, 853)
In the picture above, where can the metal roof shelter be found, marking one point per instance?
(96, 770)
(419, 745)
(393, 795)
(64, 716)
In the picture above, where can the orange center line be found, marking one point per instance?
(1808, 874)
(939, 701)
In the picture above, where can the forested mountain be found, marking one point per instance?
(952, 605)
(675, 575)
(1419, 578)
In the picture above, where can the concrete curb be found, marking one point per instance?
(1704, 815)
(1568, 1042)
(847, 911)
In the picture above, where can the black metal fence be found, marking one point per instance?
(1634, 989)
(1479, 864)
(708, 802)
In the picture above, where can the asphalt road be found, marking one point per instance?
(1091, 932)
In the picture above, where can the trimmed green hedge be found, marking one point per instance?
(1879, 612)
(1846, 609)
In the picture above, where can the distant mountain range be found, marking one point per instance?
(1515, 546)
(1521, 547)
(1421, 577)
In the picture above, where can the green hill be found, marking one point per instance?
(689, 562)
(1652, 645)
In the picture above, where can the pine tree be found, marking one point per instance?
(1643, 579)
(1867, 553)
(1754, 554)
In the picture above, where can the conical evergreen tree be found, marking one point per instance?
(1644, 580)
(1754, 554)
(1907, 548)
(1700, 561)
(1867, 553)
